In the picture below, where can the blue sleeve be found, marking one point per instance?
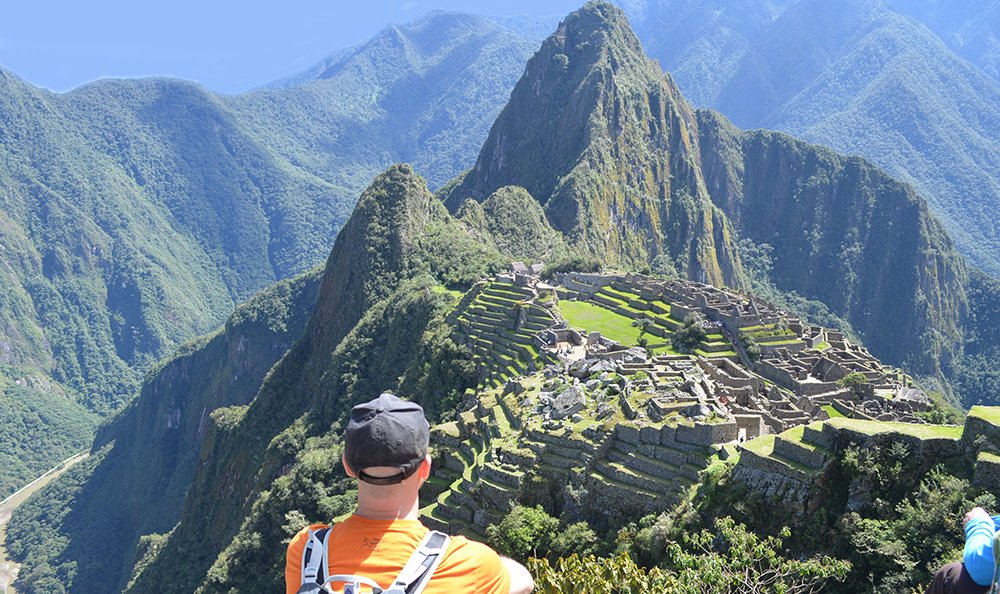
(978, 553)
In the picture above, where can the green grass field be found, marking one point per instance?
(990, 414)
(877, 427)
(442, 289)
(834, 413)
(581, 314)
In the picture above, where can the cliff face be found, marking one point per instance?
(603, 139)
(149, 453)
(373, 306)
(845, 233)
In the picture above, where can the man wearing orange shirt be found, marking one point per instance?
(385, 448)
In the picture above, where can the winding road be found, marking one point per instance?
(8, 569)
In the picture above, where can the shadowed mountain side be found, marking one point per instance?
(858, 76)
(148, 455)
(845, 233)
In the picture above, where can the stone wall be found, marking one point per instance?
(929, 448)
(976, 425)
(797, 452)
(771, 478)
(987, 473)
(705, 434)
(753, 425)
(779, 375)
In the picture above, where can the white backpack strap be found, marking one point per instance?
(352, 583)
(314, 561)
(419, 569)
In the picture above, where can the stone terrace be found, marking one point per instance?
(788, 465)
(625, 467)
(801, 364)
(498, 321)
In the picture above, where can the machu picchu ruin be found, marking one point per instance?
(588, 395)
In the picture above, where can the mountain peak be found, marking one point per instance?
(370, 252)
(604, 141)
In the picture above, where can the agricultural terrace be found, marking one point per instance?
(583, 314)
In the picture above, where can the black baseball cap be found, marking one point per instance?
(386, 431)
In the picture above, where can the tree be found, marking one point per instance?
(524, 532)
(690, 335)
(855, 382)
(643, 324)
(729, 559)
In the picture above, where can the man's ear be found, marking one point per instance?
(425, 468)
(347, 467)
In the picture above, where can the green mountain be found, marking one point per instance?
(355, 345)
(135, 214)
(392, 99)
(861, 77)
(512, 221)
(400, 306)
(969, 28)
(604, 141)
(155, 440)
(40, 426)
(899, 281)
(648, 175)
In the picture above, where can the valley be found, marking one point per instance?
(9, 569)
(625, 318)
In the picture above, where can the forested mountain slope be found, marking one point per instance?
(861, 77)
(135, 214)
(155, 442)
(839, 229)
(970, 28)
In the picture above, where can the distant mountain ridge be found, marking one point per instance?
(135, 214)
(863, 77)
(970, 28)
(838, 229)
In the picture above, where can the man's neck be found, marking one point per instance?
(379, 509)
(377, 504)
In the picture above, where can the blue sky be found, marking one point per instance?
(227, 46)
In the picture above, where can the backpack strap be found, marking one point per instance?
(352, 583)
(419, 569)
(314, 561)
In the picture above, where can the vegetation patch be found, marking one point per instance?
(581, 314)
(882, 427)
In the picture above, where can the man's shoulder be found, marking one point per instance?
(475, 566)
(472, 547)
(463, 550)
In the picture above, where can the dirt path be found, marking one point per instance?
(8, 569)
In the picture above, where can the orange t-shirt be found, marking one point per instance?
(378, 550)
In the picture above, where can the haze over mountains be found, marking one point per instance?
(134, 214)
(614, 164)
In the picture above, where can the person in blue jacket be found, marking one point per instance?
(975, 573)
